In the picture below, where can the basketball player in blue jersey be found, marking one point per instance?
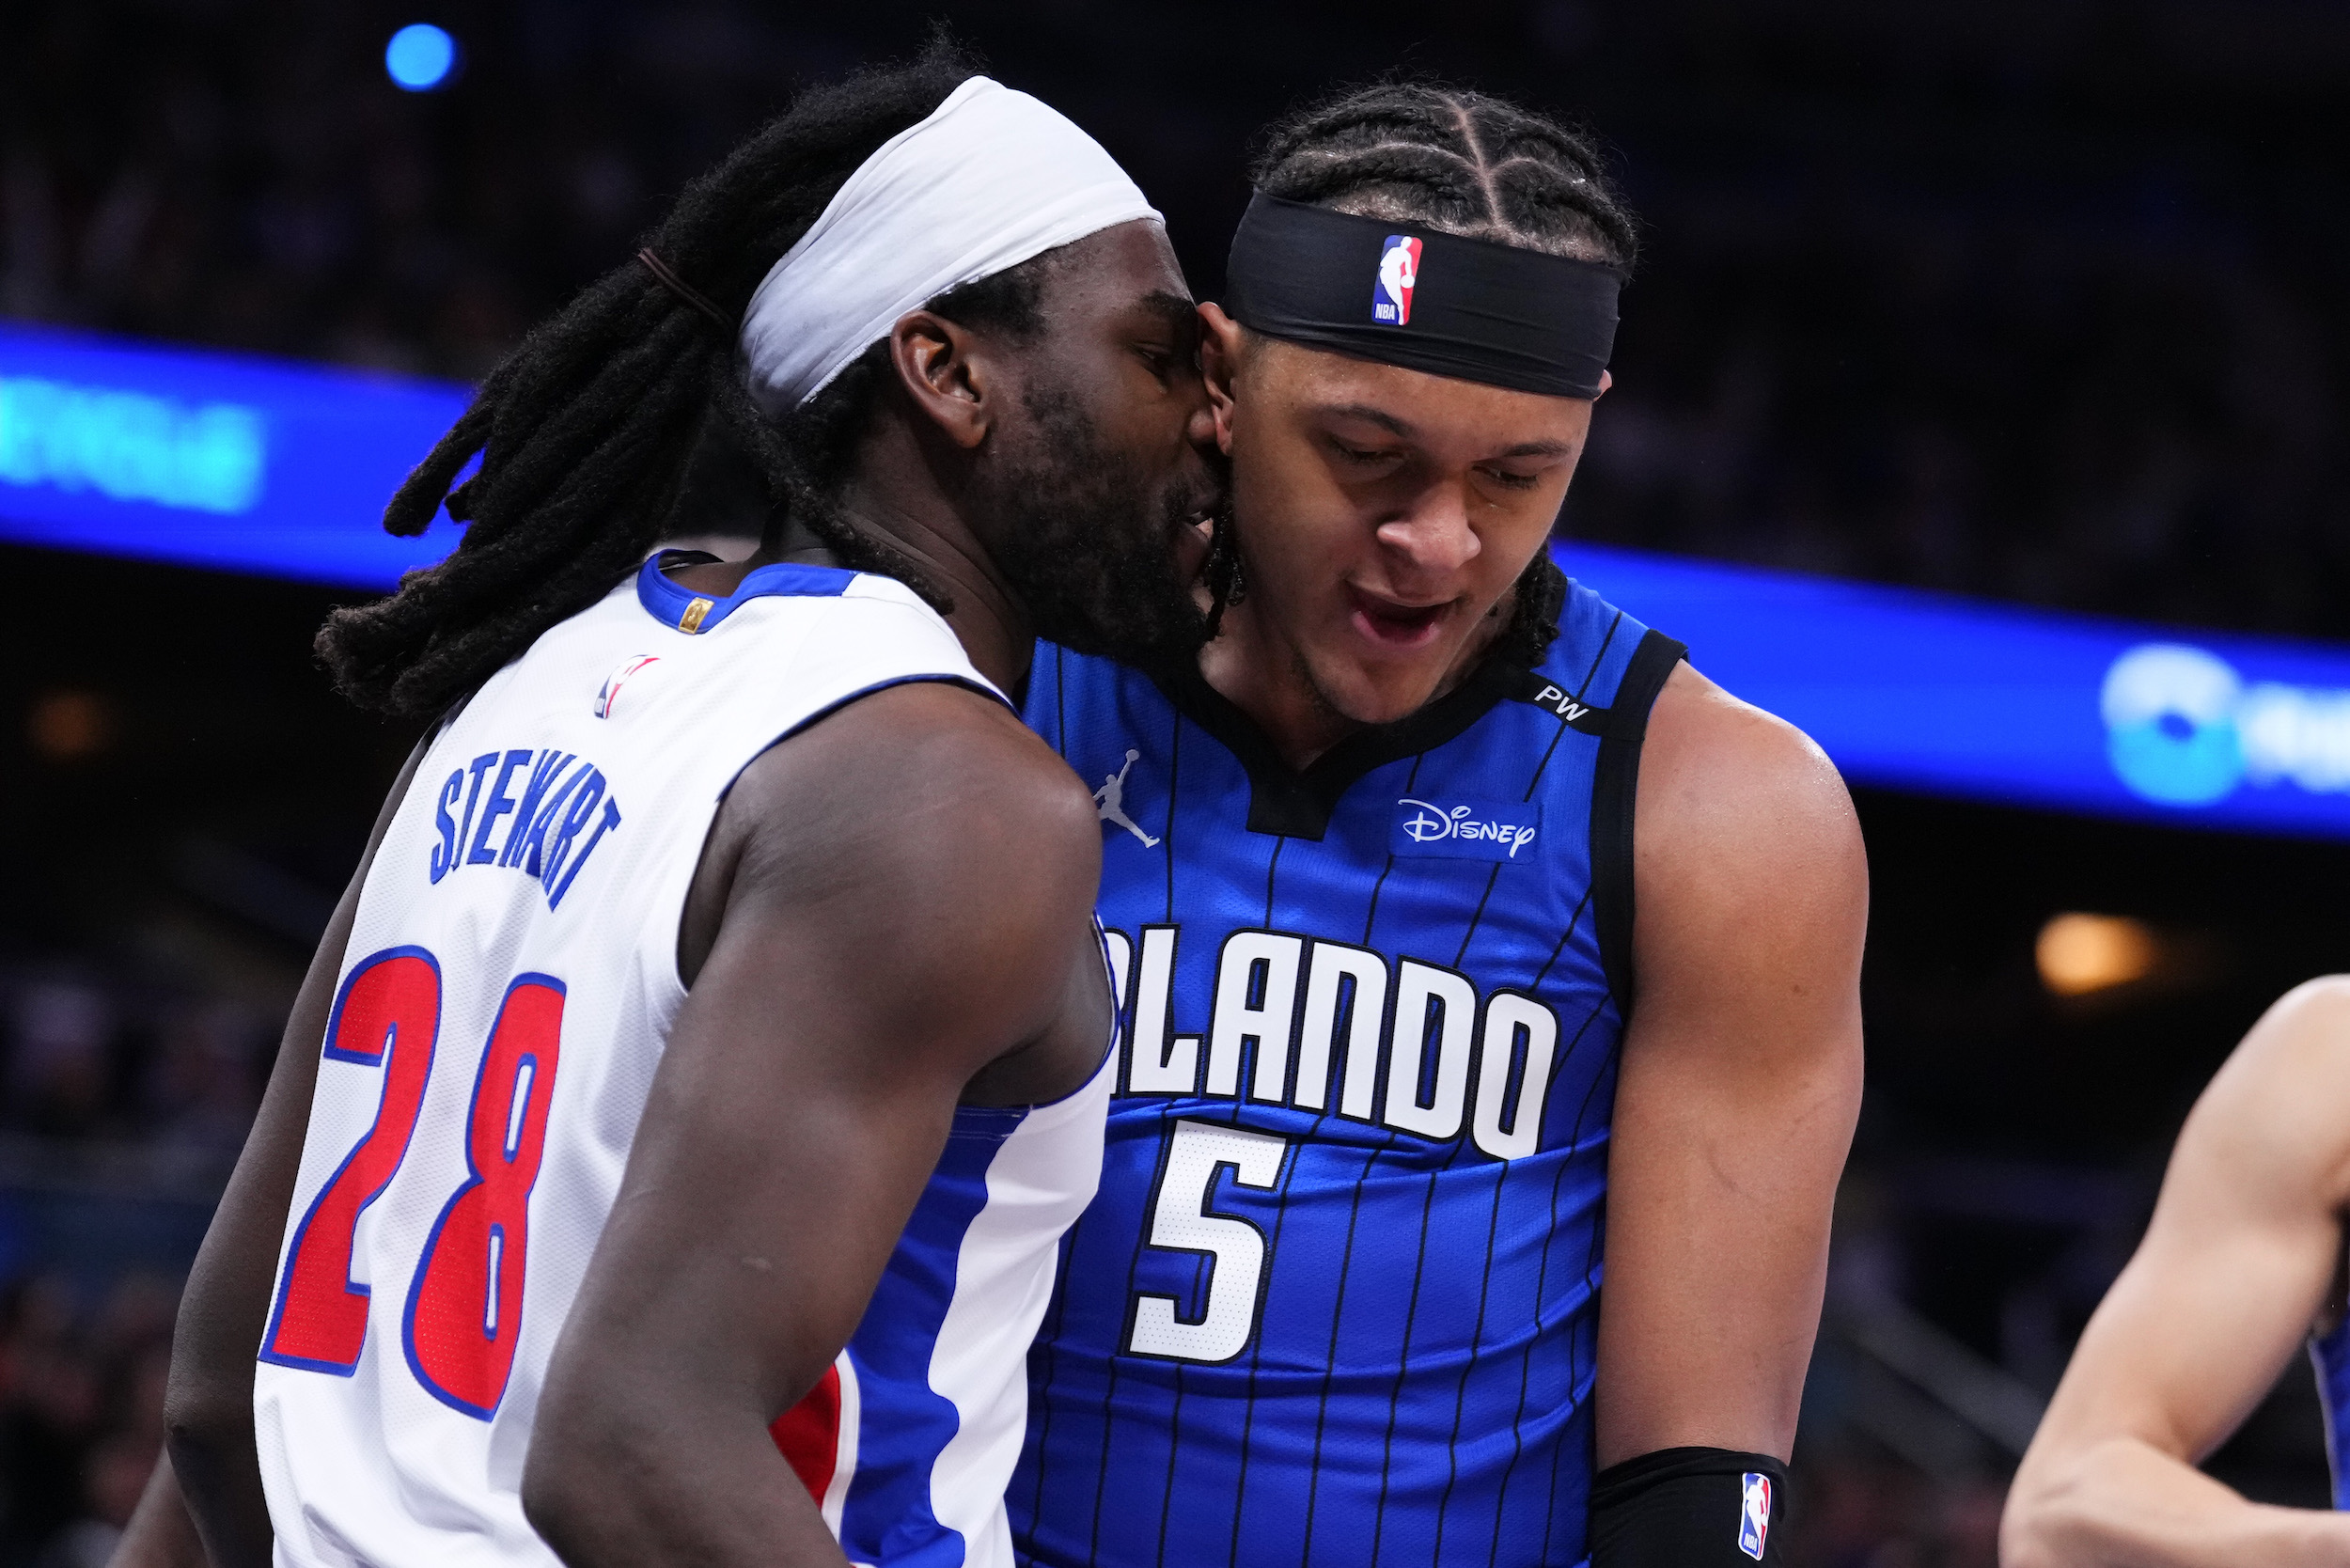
(2242, 1264)
(715, 1034)
(1453, 912)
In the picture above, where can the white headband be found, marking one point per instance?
(991, 178)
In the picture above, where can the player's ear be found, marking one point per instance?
(1222, 344)
(934, 362)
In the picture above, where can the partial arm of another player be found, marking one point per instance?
(1740, 1081)
(160, 1534)
(912, 887)
(207, 1411)
(2235, 1269)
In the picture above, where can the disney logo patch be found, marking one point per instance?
(1465, 830)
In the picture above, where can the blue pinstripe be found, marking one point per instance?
(1417, 1388)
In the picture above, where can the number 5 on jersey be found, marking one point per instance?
(465, 1301)
(1180, 1221)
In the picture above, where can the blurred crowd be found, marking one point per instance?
(103, 1060)
(2053, 317)
(81, 1414)
(2037, 298)
(125, 1101)
(2109, 416)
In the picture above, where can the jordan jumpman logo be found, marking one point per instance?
(1109, 802)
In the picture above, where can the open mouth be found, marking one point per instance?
(1390, 623)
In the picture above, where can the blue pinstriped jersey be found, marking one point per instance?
(2330, 1353)
(1335, 1302)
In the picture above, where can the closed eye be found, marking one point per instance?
(1366, 456)
(1509, 480)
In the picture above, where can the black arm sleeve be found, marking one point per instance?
(1689, 1508)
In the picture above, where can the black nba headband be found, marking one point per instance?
(1406, 294)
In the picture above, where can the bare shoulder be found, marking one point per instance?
(1733, 794)
(2305, 1034)
(910, 799)
(917, 761)
(2279, 1108)
(918, 852)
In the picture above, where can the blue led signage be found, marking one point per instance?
(212, 459)
(250, 466)
(1949, 696)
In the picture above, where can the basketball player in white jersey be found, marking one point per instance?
(711, 1040)
(2240, 1268)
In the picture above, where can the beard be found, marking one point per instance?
(1090, 541)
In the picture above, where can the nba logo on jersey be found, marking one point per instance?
(611, 692)
(1398, 273)
(1754, 1522)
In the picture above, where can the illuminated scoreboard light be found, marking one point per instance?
(212, 459)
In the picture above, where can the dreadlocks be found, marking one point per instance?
(1464, 164)
(585, 429)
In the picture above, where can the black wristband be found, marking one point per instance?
(1689, 1508)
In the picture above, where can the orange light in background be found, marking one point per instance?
(2081, 953)
(68, 726)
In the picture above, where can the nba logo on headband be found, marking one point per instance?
(1399, 271)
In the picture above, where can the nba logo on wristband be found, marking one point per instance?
(1754, 1520)
(1398, 273)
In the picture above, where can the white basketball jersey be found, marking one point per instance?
(503, 1005)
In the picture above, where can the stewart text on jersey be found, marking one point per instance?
(504, 1002)
(1335, 1302)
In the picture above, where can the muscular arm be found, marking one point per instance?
(160, 1534)
(2233, 1270)
(909, 887)
(208, 1409)
(1740, 1080)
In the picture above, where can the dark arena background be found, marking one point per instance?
(1980, 406)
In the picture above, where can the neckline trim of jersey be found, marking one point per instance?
(1299, 805)
(675, 606)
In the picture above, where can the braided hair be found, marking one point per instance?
(1461, 162)
(586, 429)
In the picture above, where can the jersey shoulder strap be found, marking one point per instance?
(1602, 677)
